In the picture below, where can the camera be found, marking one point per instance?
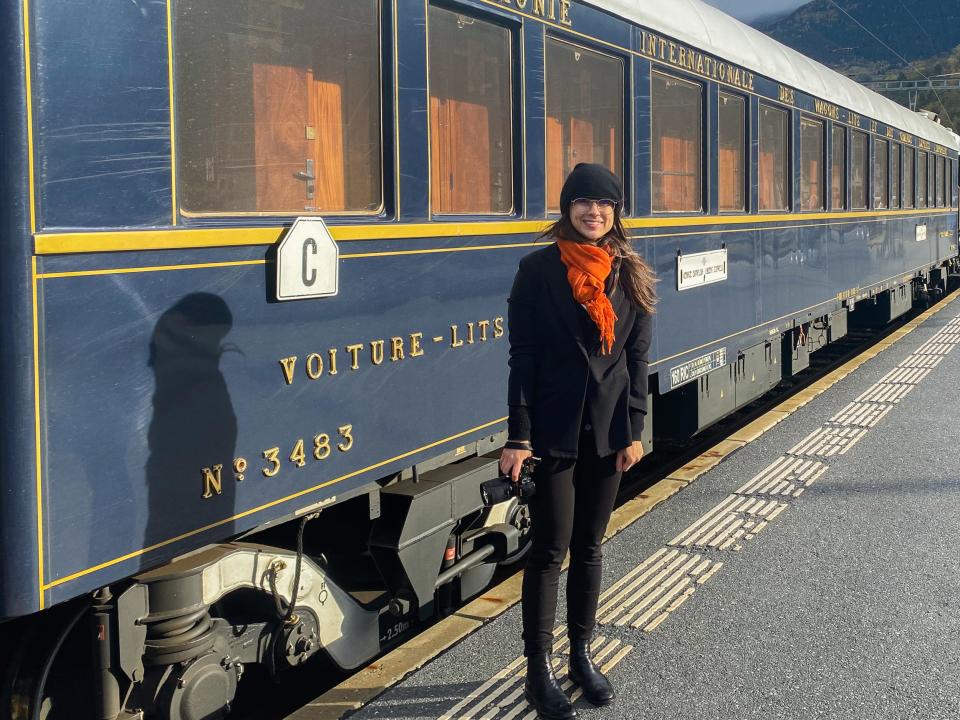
(503, 488)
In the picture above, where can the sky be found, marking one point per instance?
(747, 10)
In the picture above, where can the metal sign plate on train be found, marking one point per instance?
(698, 269)
(308, 261)
(682, 374)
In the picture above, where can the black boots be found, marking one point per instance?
(596, 688)
(543, 691)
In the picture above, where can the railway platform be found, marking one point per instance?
(808, 567)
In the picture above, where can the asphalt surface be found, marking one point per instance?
(845, 605)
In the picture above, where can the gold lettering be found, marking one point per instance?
(521, 4)
(396, 349)
(682, 56)
(469, 333)
(736, 77)
(211, 481)
(553, 10)
(297, 455)
(483, 325)
(376, 352)
(332, 353)
(498, 327)
(565, 13)
(314, 366)
(700, 64)
(346, 432)
(353, 350)
(673, 53)
(454, 339)
(723, 72)
(239, 468)
(415, 349)
(538, 7)
(663, 49)
(288, 365)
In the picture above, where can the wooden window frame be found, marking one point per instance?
(514, 75)
(790, 170)
(746, 164)
(626, 119)
(387, 110)
(823, 163)
(702, 161)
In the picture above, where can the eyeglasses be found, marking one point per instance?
(605, 205)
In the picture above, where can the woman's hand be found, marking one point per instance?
(628, 457)
(511, 461)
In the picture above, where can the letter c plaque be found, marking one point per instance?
(308, 262)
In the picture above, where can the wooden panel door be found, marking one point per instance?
(581, 142)
(555, 164)
(326, 121)
(460, 157)
(281, 116)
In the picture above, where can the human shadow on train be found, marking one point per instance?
(194, 426)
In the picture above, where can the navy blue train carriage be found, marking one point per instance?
(257, 256)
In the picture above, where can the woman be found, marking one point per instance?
(579, 321)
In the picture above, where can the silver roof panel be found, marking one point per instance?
(706, 28)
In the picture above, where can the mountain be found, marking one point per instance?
(828, 30)
(880, 39)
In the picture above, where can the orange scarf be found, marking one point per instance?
(587, 269)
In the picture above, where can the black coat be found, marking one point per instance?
(556, 370)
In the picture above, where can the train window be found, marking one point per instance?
(931, 180)
(584, 96)
(471, 130)
(895, 175)
(951, 198)
(909, 158)
(278, 106)
(859, 170)
(774, 172)
(732, 160)
(811, 164)
(941, 184)
(677, 147)
(921, 180)
(881, 177)
(838, 166)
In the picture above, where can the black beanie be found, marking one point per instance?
(589, 180)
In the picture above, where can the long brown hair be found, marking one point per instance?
(636, 277)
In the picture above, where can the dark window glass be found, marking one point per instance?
(931, 180)
(278, 106)
(811, 164)
(921, 179)
(838, 166)
(859, 170)
(881, 179)
(774, 172)
(676, 108)
(732, 160)
(584, 113)
(909, 157)
(471, 131)
(895, 175)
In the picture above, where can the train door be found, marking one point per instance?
(298, 136)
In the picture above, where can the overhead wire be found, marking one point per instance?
(897, 54)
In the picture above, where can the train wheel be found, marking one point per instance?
(518, 515)
(48, 677)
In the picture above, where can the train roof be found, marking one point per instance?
(705, 27)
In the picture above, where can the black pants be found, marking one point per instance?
(571, 509)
